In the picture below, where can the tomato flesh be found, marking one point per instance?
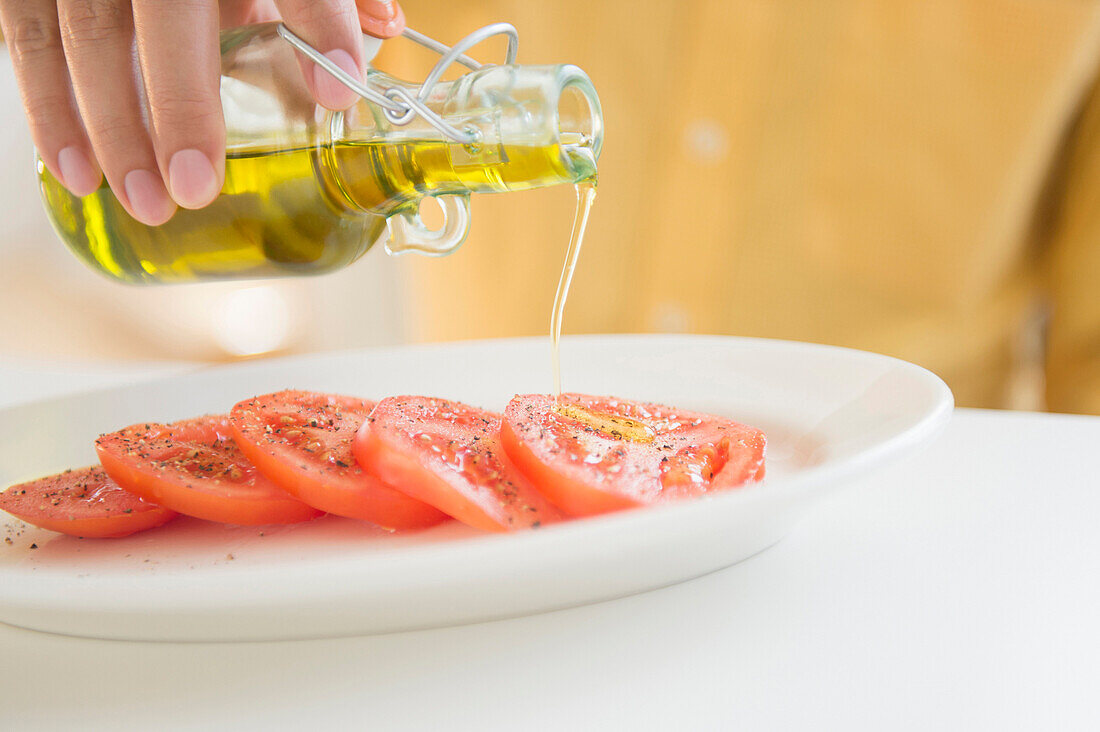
(194, 467)
(84, 503)
(448, 454)
(301, 441)
(592, 454)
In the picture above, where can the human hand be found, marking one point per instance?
(154, 126)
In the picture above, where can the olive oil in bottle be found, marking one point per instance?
(294, 212)
(271, 218)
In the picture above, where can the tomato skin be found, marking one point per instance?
(194, 467)
(84, 503)
(301, 441)
(448, 454)
(586, 470)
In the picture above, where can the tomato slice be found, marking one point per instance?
(301, 441)
(448, 454)
(83, 503)
(195, 468)
(595, 454)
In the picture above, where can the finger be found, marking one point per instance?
(181, 90)
(98, 36)
(332, 27)
(244, 12)
(381, 18)
(34, 41)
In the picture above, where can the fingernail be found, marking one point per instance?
(382, 18)
(379, 9)
(77, 172)
(191, 179)
(149, 201)
(330, 92)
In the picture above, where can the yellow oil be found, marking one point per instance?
(586, 194)
(297, 212)
(613, 425)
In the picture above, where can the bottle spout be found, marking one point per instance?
(579, 123)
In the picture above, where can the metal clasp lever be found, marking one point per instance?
(399, 105)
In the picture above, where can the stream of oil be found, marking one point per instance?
(586, 194)
(613, 425)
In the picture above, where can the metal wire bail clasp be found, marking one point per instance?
(407, 232)
(398, 104)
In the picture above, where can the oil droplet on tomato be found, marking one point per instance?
(695, 465)
(99, 494)
(478, 465)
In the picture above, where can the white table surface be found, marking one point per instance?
(959, 589)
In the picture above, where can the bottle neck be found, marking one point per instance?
(386, 176)
(537, 127)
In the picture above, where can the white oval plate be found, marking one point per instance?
(830, 414)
